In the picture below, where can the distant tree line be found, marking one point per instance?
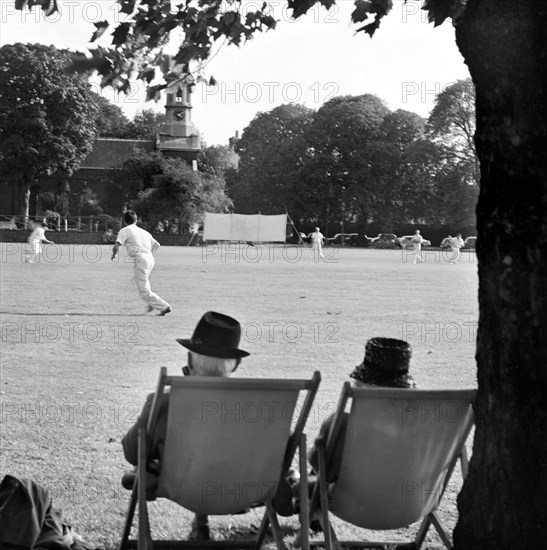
(350, 165)
(354, 163)
(112, 122)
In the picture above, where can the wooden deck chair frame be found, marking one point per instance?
(293, 442)
(320, 501)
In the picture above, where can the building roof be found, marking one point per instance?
(112, 153)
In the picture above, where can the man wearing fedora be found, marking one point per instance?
(213, 351)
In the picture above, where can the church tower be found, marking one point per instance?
(178, 137)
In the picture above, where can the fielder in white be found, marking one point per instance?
(34, 243)
(140, 245)
(418, 240)
(317, 243)
(455, 243)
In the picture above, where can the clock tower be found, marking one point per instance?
(178, 137)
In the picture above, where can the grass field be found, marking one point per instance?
(79, 355)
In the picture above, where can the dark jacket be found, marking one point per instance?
(130, 441)
(28, 519)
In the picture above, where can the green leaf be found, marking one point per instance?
(101, 27)
(127, 6)
(440, 10)
(188, 53)
(147, 74)
(228, 20)
(363, 8)
(49, 7)
(268, 21)
(380, 8)
(119, 36)
(300, 7)
(154, 92)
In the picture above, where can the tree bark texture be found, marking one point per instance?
(23, 198)
(503, 503)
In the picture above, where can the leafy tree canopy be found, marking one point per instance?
(402, 127)
(269, 149)
(111, 121)
(145, 125)
(47, 118)
(334, 169)
(181, 193)
(453, 121)
(160, 187)
(216, 160)
(454, 112)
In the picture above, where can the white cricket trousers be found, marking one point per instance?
(33, 249)
(317, 251)
(144, 264)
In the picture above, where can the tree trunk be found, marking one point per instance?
(503, 503)
(24, 198)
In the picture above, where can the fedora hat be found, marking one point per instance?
(216, 335)
(386, 363)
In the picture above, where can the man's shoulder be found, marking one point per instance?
(143, 231)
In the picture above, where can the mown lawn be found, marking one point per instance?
(79, 355)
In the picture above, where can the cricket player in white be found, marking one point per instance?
(317, 243)
(35, 240)
(455, 244)
(418, 240)
(140, 245)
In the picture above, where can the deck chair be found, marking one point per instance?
(228, 440)
(400, 449)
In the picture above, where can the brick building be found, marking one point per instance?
(177, 137)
